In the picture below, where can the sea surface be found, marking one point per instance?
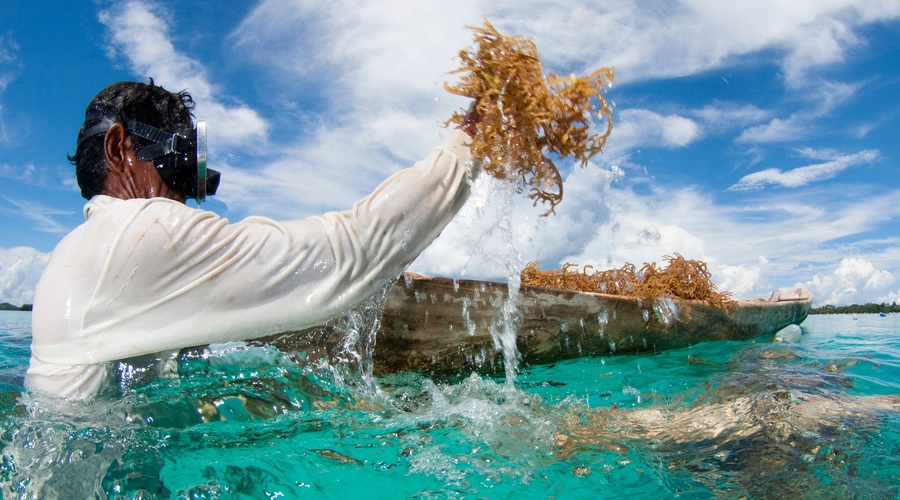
(815, 418)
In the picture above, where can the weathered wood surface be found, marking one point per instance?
(442, 325)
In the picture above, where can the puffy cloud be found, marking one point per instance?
(643, 40)
(661, 39)
(740, 280)
(140, 33)
(855, 281)
(20, 270)
(364, 58)
(802, 176)
(636, 128)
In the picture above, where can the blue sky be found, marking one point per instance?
(759, 136)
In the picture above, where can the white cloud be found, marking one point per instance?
(741, 280)
(9, 49)
(312, 176)
(9, 53)
(26, 173)
(776, 130)
(726, 115)
(659, 39)
(636, 128)
(854, 281)
(822, 98)
(384, 53)
(20, 270)
(803, 176)
(140, 33)
(825, 154)
(44, 217)
(46, 177)
(4, 136)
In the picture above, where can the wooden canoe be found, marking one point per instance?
(443, 326)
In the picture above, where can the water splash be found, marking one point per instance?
(505, 329)
(360, 327)
(666, 310)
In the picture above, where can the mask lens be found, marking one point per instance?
(201, 162)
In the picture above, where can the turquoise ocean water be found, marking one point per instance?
(819, 418)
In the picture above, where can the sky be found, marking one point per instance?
(762, 137)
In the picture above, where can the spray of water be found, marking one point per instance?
(359, 327)
(505, 330)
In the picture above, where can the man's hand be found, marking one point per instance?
(470, 122)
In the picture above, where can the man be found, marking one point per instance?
(147, 274)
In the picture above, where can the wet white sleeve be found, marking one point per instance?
(159, 275)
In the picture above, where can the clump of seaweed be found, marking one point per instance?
(528, 115)
(681, 278)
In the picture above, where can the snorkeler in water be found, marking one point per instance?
(146, 274)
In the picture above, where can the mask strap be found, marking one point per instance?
(105, 123)
(164, 143)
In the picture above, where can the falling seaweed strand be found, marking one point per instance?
(527, 115)
(681, 278)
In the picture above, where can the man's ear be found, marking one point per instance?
(115, 147)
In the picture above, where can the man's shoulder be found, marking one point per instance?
(108, 218)
(110, 206)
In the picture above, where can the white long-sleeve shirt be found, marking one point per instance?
(143, 276)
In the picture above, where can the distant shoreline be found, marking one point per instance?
(857, 309)
(6, 306)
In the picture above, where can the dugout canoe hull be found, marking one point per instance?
(440, 325)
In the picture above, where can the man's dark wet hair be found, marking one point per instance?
(144, 102)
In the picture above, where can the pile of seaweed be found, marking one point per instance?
(681, 278)
(529, 115)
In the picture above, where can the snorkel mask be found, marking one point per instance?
(179, 157)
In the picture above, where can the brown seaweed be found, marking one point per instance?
(529, 116)
(680, 278)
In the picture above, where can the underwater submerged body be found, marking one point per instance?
(816, 418)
